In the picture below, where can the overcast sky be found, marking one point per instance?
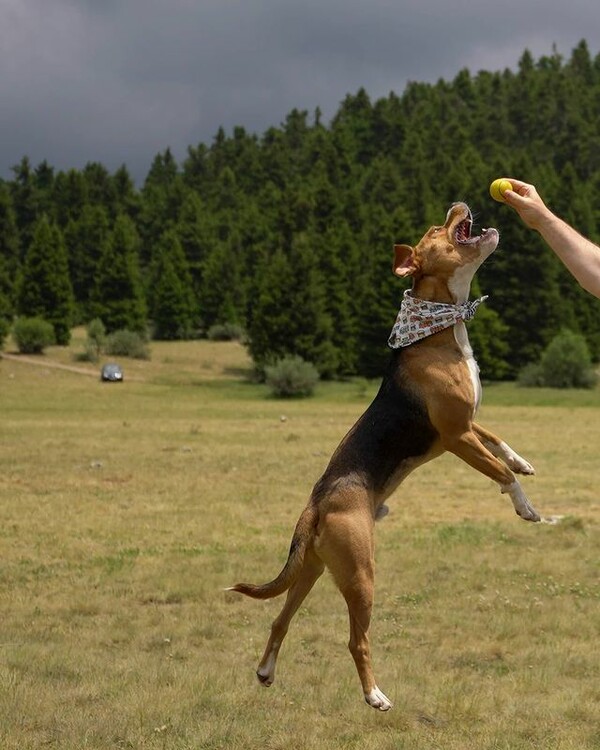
(117, 81)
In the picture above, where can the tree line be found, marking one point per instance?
(288, 235)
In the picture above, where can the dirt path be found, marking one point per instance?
(46, 363)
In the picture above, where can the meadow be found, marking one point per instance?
(126, 509)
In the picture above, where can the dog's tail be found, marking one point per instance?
(303, 535)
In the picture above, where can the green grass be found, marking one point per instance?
(126, 509)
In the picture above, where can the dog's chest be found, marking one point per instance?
(459, 285)
(460, 334)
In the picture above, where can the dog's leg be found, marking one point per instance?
(469, 447)
(501, 450)
(310, 572)
(345, 543)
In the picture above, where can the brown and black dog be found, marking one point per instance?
(426, 405)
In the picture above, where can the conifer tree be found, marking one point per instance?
(117, 297)
(25, 199)
(269, 334)
(222, 295)
(171, 301)
(290, 316)
(9, 241)
(196, 234)
(127, 200)
(44, 288)
(6, 306)
(70, 194)
(86, 239)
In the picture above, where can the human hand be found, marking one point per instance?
(526, 201)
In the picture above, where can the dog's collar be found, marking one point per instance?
(419, 318)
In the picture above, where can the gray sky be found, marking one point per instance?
(117, 81)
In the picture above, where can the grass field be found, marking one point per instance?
(125, 509)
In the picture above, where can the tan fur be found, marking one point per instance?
(336, 528)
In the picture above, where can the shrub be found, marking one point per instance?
(565, 363)
(33, 335)
(225, 332)
(126, 343)
(291, 376)
(531, 376)
(4, 329)
(94, 344)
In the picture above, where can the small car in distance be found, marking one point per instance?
(111, 373)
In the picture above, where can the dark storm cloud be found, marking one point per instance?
(118, 81)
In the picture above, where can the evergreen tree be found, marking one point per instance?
(339, 264)
(222, 298)
(379, 291)
(44, 288)
(270, 327)
(290, 316)
(197, 236)
(172, 303)
(86, 239)
(70, 195)
(6, 306)
(127, 199)
(25, 199)
(117, 297)
(9, 241)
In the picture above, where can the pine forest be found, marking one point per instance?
(288, 235)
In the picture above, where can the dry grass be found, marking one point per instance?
(126, 509)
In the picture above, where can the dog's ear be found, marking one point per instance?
(405, 261)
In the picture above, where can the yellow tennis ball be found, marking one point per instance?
(498, 187)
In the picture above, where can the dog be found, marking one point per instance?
(426, 405)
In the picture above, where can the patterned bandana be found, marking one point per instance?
(419, 318)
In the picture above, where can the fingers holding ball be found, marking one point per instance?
(498, 188)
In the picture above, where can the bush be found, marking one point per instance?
(225, 332)
(291, 376)
(95, 342)
(4, 329)
(565, 363)
(33, 335)
(126, 343)
(531, 376)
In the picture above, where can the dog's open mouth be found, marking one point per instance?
(463, 235)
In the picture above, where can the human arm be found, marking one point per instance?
(579, 255)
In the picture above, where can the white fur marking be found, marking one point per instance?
(510, 457)
(521, 504)
(377, 699)
(462, 339)
(459, 286)
(266, 672)
(513, 460)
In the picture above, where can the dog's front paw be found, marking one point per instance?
(521, 466)
(378, 700)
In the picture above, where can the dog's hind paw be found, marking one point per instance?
(265, 679)
(378, 700)
(381, 512)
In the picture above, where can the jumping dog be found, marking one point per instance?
(426, 405)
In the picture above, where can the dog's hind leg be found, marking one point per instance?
(497, 447)
(345, 543)
(308, 575)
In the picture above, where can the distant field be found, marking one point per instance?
(125, 509)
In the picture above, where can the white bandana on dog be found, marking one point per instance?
(419, 318)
